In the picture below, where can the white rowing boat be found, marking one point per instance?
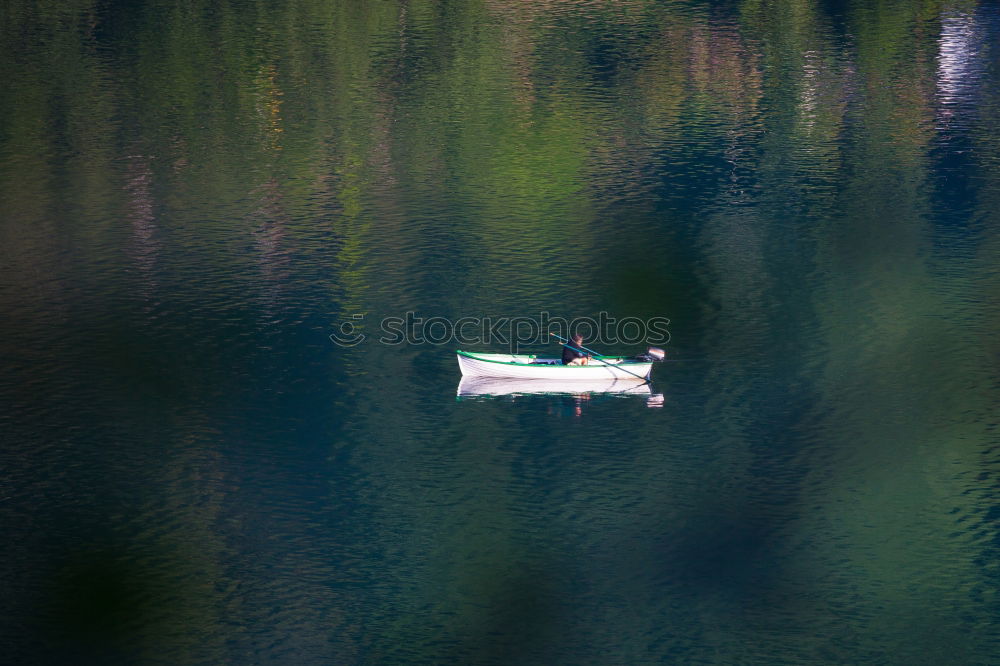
(528, 366)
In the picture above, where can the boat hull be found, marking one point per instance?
(496, 386)
(527, 367)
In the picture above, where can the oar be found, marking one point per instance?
(584, 350)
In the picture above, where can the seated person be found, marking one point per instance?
(572, 356)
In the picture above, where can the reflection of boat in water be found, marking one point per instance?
(496, 386)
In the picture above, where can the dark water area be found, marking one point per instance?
(195, 196)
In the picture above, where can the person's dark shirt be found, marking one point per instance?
(570, 354)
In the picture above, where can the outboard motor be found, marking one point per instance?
(652, 354)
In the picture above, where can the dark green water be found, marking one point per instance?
(195, 195)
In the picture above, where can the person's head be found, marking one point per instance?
(578, 338)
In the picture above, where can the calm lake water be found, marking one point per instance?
(195, 195)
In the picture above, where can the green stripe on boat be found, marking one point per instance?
(474, 357)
